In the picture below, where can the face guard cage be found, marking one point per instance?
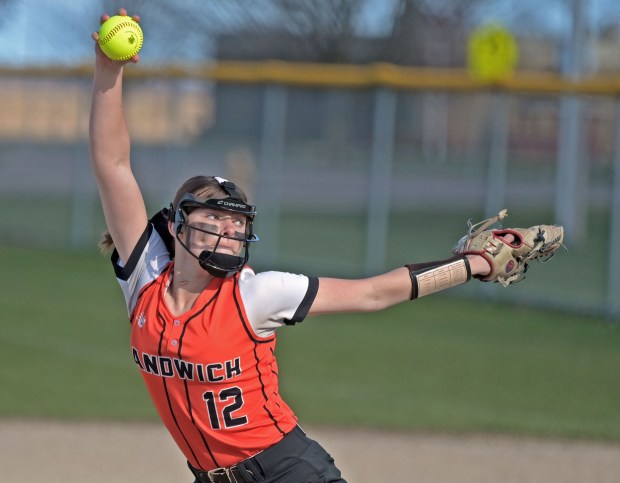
(217, 264)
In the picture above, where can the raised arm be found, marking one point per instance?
(109, 143)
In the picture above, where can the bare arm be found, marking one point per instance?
(374, 293)
(109, 143)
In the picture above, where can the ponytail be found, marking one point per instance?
(106, 244)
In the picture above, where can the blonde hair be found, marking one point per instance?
(202, 186)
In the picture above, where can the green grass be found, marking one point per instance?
(64, 339)
(449, 365)
(439, 363)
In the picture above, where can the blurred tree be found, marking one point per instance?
(430, 33)
(325, 28)
(413, 32)
(319, 31)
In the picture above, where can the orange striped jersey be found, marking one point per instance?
(211, 372)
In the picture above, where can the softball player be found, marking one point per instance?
(203, 323)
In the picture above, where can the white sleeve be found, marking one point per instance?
(274, 299)
(147, 261)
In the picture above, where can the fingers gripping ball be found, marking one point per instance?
(509, 250)
(120, 37)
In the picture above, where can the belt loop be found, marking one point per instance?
(218, 475)
(231, 476)
(250, 470)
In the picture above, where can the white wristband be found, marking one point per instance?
(442, 276)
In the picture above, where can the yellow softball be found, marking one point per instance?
(120, 37)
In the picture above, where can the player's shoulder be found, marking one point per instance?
(249, 275)
(273, 299)
(270, 282)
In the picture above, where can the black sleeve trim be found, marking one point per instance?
(160, 223)
(306, 303)
(123, 273)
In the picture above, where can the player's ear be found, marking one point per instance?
(171, 228)
(170, 216)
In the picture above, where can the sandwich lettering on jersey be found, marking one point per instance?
(175, 367)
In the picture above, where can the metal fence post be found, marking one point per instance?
(498, 156)
(613, 277)
(81, 225)
(380, 182)
(570, 195)
(272, 145)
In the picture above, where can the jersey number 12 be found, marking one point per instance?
(230, 400)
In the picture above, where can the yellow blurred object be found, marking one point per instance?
(492, 53)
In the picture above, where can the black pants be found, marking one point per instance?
(295, 459)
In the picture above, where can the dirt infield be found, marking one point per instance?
(57, 452)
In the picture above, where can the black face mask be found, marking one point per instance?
(217, 264)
